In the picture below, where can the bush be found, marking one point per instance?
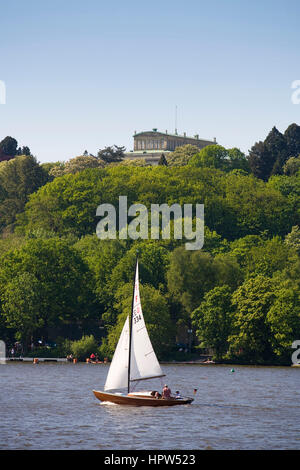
(84, 347)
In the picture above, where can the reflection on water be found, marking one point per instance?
(51, 406)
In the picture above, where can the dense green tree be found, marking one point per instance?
(8, 147)
(76, 164)
(111, 154)
(193, 273)
(22, 305)
(251, 335)
(292, 239)
(237, 160)
(292, 136)
(102, 257)
(19, 178)
(214, 243)
(283, 319)
(269, 157)
(213, 320)
(216, 156)
(241, 247)
(236, 204)
(131, 162)
(66, 205)
(277, 146)
(292, 166)
(211, 156)
(63, 281)
(269, 257)
(261, 160)
(257, 207)
(182, 155)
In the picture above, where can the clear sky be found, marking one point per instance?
(87, 74)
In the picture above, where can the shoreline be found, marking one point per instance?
(174, 362)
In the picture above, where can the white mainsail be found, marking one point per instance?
(143, 360)
(144, 363)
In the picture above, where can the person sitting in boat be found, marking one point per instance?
(92, 357)
(178, 394)
(157, 395)
(166, 393)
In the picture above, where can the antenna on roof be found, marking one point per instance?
(176, 119)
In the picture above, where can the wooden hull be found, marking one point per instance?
(141, 400)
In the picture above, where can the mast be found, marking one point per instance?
(130, 327)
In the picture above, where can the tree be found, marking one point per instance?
(269, 257)
(261, 160)
(211, 156)
(153, 264)
(76, 164)
(241, 247)
(62, 293)
(251, 336)
(237, 160)
(19, 178)
(102, 257)
(292, 239)
(292, 166)
(163, 160)
(213, 320)
(283, 319)
(182, 155)
(22, 300)
(256, 207)
(23, 151)
(268, 158)
(193, 273)
(66, 206)
(111, 154)
(132, 162)
(8, 148)
(277, 146)
(292, 135)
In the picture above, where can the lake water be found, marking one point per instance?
(51, 406)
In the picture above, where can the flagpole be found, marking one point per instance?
(130, 326)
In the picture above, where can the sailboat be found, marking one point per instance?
(134, 360)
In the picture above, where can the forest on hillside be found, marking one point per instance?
(238, 295)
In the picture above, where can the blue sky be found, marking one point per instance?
(87, 74)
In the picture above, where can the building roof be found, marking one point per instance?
(167, 134)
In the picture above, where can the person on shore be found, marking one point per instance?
(166, 393)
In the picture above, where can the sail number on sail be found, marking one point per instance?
(136, 315)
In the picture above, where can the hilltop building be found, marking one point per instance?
(150, 145)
